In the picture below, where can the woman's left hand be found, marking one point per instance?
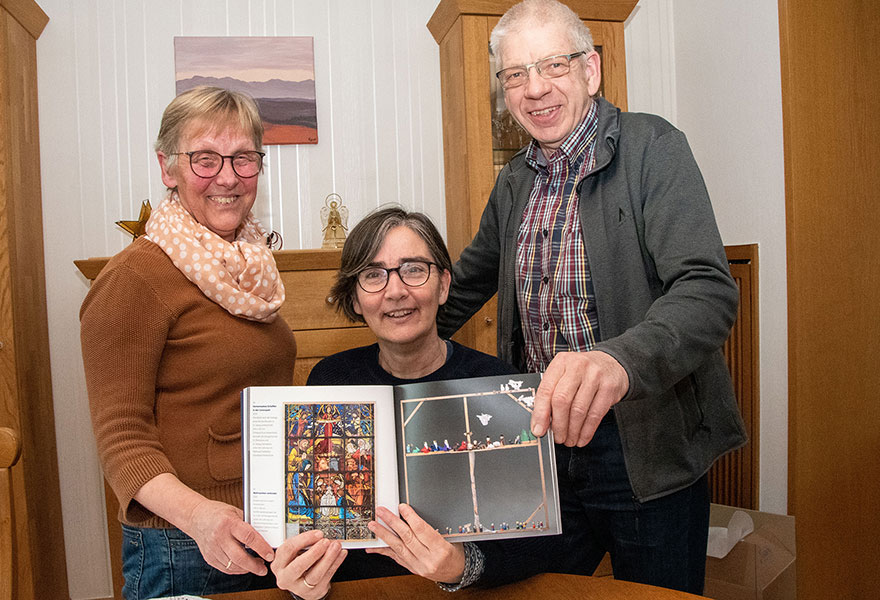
(307, 572)
(417, 546)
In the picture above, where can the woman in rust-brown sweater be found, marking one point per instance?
(174, 327)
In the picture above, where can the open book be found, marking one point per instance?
(459, 452)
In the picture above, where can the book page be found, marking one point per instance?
(468, 463)
(318, 458)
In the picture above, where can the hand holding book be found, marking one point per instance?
(417, 546)
(305, 563)
(576, 392)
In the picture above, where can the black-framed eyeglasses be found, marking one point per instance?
(548, 68)
(207, 163)
(413, 273)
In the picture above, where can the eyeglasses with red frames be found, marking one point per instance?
(207, 163)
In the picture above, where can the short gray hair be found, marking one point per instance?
(364, 242)
(212, 107)
(530, 12)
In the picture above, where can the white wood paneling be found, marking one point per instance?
(384, 60)
(351, 81)
(376, 74)
(650, 59)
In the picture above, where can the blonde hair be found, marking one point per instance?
(210, 107)
(533, 12)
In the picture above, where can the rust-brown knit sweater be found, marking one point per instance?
(164, 367)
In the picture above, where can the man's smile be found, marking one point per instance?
(543, 111)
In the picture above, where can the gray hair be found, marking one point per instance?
(210, 107)
(364, 242)
(531, 12)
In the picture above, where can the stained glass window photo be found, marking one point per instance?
(329, 472)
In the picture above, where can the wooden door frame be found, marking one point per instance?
(830, 104)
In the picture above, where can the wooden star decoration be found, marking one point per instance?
(136, 228)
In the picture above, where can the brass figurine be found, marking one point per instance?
(334, 219)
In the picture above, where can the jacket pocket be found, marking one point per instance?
(224, 455)
(692, 412)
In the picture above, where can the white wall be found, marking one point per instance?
(730, 106)
(650, 59)
(712, 68)
(106, 73)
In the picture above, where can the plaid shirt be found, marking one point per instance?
(557, 304)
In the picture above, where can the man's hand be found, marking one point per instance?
(576, 391)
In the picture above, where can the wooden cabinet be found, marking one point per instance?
(25, 377)
(319, 331)
(733, 479)
(462, 28)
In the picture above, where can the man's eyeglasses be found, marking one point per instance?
(414, 274)
(548, 68)
(207, 163)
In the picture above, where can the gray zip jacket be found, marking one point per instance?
(665, 297)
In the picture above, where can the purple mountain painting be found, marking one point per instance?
(278, 72)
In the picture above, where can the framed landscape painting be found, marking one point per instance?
(279, 72)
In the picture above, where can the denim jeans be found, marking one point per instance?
(661, 542)
(167, 562)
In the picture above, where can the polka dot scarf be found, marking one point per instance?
(240, 276)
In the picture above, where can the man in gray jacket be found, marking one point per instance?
(601, 242)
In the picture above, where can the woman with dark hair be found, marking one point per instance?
(395, 275)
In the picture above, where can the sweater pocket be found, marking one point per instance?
(224, 455)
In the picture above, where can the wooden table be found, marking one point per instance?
(547, 585)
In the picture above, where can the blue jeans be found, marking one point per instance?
(661, 542)
(167, 562)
